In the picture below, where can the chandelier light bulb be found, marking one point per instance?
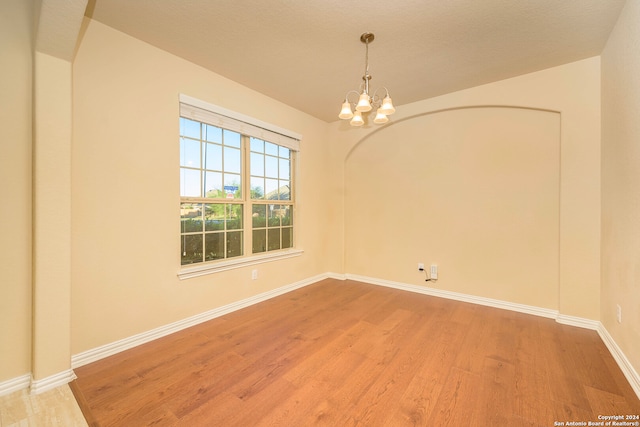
(387, 106)
(357, 119)
(346, 112)
(363, 103)
(380, 117)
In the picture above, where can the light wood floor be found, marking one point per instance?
(55, 407)
(342, 353)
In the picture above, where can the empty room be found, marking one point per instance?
(334, 213)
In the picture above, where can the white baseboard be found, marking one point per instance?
(15, 384)
(101, 352)
(36, 386)
(578, 321)
(522, 308)
(624, 364)
(57, 380)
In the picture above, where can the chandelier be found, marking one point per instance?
(365, 101)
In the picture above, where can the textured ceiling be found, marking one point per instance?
(308, 54)
(58, 26)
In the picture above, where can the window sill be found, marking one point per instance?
(216, 267)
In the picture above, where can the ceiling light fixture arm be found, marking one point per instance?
(376, 100)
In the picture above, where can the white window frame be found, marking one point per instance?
(205, 112)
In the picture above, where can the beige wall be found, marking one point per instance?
(621, 182)
(51, 216)
(15, 183)
(573, 90)
(125, 207)
(473, 190)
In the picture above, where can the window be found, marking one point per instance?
(271, 210)
(210, 187)
(237, 196)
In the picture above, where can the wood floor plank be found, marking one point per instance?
(263, 401)
(341, 353)
(222, 409)
(384, 396)
(201, 384)
(326, 350)
(323, 397)
(418, 402)
(455, 405)
(566, 389)
(430, 374)
(531, 377)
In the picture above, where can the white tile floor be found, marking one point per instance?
(52, 408)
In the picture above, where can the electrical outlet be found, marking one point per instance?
(420, 266)
(434, 272)
(254, 274)
(619, 313)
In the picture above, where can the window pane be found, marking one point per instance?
(234, 244)
(257, 164)
(287, 237)
(257, 188)
(270, 148)
(232, 186)
(284, 190)
(273, 239)
(189, 153)
(191, 249)
(234, 217)
(231, 138)
(285, 172)
(189, 183)
(213, 185)
(189, 128)
(259, 216)
(257, 145)
(274, 215)
(213, 157)
(271, 167)
(212, 134)
(283, 152)
(259, 243)
(214, 217)
(271, 189)
(214, 246)
(190, 218)
(286, 215)
(231, 160)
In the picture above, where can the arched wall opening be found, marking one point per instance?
(475, 190)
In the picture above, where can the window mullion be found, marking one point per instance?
(203, 173)
(202, 231)
(203, 186)
(245, 176)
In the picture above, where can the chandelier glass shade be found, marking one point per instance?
(363, 101)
